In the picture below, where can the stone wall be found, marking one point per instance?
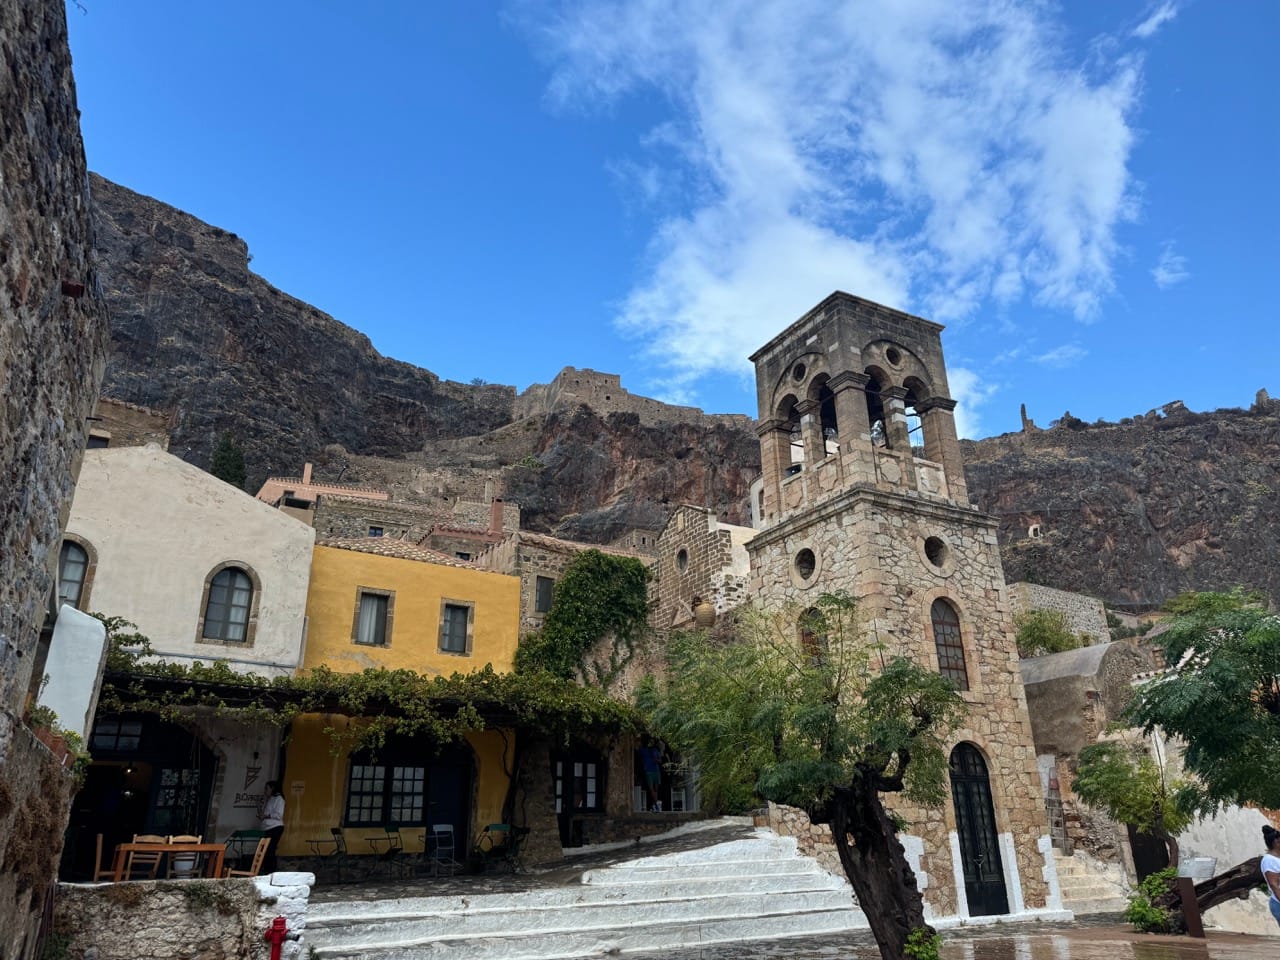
(35, 796)
(182, 919)
(53, 329)
(53, 324)
(124, 424)
(1085, 615)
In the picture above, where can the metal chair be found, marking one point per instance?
(440, 850)
(499, 846)
(333, 850)
(393, 856)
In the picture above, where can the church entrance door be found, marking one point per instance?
(976, 825)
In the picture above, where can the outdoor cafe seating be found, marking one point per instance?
(140, 859)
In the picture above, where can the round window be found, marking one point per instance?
(936, 549)
(797, 372)
(893, 355)
(682, 560)
(806, 563)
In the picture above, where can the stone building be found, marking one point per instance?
(117, 423)
(699, 559)
(863, 490)
(604, 393)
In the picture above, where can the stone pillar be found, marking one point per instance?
(775, 458)
(815, 450)
(854, 426)
(941, 445)
(895, 415)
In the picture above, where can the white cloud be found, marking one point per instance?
(941, 156)
(1171, 268)
(1063, 356)
(1158, 17)
(970, 391)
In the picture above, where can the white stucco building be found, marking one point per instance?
(206, 571)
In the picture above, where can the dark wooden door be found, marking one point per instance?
(976, 825)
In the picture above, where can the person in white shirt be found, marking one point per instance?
(1271, 867)
(271, 813)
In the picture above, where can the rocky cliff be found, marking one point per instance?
(1132, 512)
(193, 330)
(1136, 511)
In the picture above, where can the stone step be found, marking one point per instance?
(552, 897)
(529, 918)
(663, 872)
(1097, 905)
(563, 945)
(1093, 891)
(763, 847)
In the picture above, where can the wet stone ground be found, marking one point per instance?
(1077, 941)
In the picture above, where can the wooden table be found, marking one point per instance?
(212, 866)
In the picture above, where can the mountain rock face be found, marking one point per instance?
(1138, 511)
(195, 332)
(1131, 512)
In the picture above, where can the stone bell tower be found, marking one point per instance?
(863, 490)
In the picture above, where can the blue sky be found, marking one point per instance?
(1084, 193)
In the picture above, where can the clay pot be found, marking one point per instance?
(704, 615)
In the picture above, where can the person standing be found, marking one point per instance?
(1271, 868)
(271, 813)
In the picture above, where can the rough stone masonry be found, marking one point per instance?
(53, 335)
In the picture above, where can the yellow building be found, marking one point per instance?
(376, 602)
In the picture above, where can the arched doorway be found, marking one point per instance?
(976, 826)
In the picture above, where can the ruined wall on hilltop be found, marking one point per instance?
(53, 330)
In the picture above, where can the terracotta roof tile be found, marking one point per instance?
(389, 547)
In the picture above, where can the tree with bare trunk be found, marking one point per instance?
(801, 708)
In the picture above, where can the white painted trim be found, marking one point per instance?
(1012, 876)
(1053, 900)
(957, 868)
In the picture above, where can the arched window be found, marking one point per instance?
(813, 638)
(788, 414)
(226, 613)
(73, 565)
(946, 637)
(875, 408)
(820, 391)
(915, 427)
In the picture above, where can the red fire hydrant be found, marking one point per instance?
(276, 935)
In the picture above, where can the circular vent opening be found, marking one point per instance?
(797, 372)
(936, 549)
(806, 563)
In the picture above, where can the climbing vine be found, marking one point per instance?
(381, 702)
(599, 595)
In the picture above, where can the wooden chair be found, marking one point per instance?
(148, 860)
(101, 871)
(255, 867)
(190, 861)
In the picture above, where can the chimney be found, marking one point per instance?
(495, 516)
(306, 473)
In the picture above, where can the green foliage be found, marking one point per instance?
(228, 461)
(1220, 696)
(40, 717)
(923, 945)
(529, 462)
(383, 702)
(1124, 780)
(599, 595)
(1042, 632)
(766, 718)
(1142, 911)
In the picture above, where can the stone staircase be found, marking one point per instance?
(756, 888)
(1090, 886)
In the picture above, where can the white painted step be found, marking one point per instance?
(661, 873)
(597, 942)
(524, 919)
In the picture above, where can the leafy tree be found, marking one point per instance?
(1133, 787)
(823, 721)
(1220, 696)
(1043, 631)
(228, 461)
